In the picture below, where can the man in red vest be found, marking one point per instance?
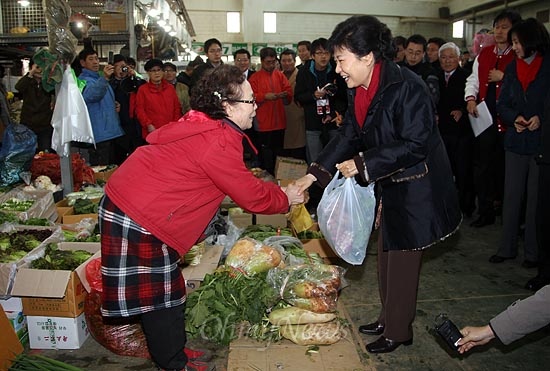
(483, 85)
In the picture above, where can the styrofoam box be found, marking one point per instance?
(57, 332)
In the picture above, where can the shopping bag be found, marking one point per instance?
(346, 215)
(18, 149)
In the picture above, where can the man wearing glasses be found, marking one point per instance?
(272, 92)
(213, 50)
(415, 51)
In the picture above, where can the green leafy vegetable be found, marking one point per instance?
(55, 259)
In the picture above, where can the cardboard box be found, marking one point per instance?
(11, 304)
(290, 168)
(101, 175)
(9, 270)
(276, 220)
(194, 275)
(10, 346)
(56, 293)
(19, 323)
(49, 332)
(113, 22)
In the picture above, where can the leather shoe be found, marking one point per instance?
(483, 221)
(499, 259)
(385, 345)
(375, 328)
(529, 264)
(536, 283)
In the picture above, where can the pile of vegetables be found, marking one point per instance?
(85, 206)
(15, 204)
(38, 362)
(15, 245)
(262, 231)
(6, 217)
(56, 259)
(80, 236)
(254, 281)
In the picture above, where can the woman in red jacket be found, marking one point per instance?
(157, 102)
(161, 199)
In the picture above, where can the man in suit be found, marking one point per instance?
(454, 125)
(242, 60)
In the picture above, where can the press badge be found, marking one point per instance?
(323, 106)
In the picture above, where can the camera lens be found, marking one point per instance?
(124, 69)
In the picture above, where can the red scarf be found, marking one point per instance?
(363, 97)
(527, 72)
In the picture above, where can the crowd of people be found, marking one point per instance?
(385, 109)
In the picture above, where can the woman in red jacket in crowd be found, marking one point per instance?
(161, 199)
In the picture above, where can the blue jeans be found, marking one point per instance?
(314, 144)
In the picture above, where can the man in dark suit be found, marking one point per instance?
(242, 60)
(454, 125)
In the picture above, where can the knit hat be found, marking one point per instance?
(153, 63)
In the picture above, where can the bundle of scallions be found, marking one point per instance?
(37, 362)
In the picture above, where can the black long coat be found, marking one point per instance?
(402, 151)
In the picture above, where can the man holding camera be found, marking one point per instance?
(125, 84)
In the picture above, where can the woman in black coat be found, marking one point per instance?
(389, 136)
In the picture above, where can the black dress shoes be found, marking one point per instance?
(499, 259)
(536, 283)
(374, 328)
(483, 221)
(384, 345)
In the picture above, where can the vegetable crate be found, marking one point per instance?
(58, 293)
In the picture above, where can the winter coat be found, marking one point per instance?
(37, 111)
(100, 101)
(513, 101)
(157, 105)
(270, 113)
(401, 149)
(174, 186)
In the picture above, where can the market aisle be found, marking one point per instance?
(456, 279)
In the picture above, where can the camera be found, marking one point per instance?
(124, 69)
(448, 331)
(330, 89)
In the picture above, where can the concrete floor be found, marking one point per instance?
(456, 279)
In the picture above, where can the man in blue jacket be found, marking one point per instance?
(102, 107)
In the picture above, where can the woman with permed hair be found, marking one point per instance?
(160, 201)
(389, 137)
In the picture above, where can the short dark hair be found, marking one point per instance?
(288, 52)
(170, 65)
(217, 85)
(399, 40)
(267, 52)
(417, 39)
(437, 40)
(131, 61)
(118, 58)
(241, 51)
(85, 53)
(532, 35)
(511, 15)
(361, 35)
(208, 43)
(320, 43)
(305, 43)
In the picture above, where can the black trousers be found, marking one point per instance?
(459, 150)
(488, 169)
(165, 333)
(270, 145)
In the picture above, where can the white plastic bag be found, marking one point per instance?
(346, 216)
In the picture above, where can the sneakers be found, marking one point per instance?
(199, 366)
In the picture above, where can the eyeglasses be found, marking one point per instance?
(251, 101)
(155, 70)
(214, 50)
(325, 53)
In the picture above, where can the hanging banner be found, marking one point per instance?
(279, 48)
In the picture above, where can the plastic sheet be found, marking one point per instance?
(18, 148)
